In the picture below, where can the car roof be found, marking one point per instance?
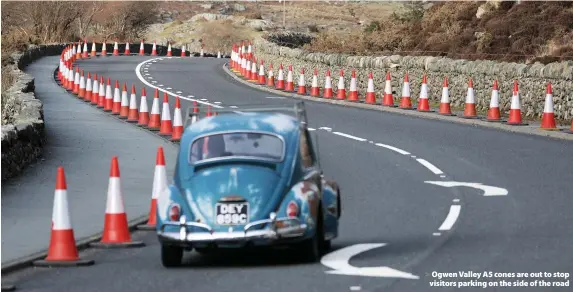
(272, 122)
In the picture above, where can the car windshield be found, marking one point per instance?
(245, 144)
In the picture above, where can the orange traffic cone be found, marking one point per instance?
(79, 51)
(76, 89)
(155, 117)
(103, 50)
(328, 93)
(143, 111)
(388, 99)
(314, 90)
(209, 113)
(82, 87)
(515, 108)
(88, 90)
(132, 113)
(124, 110)
(301, 83)
(290, 82)
(406, 100)
(280, 78)
(341, 90)
(115, 229)
(370, 95)
(271, 79)
(470, 106)
(85, 51)
(159, 184)
(108, 96)
(177, 121)
(445, 109)
(94, 51)
(102, 92)
(115, 49)
(423, 103)
(353, 91)
(169, 54)
(244, 64)
(493, 114)
(127, 52)
(141, 49)
(71, 79)
(63, 250)
(95, 91)
(548, 118)
(166, 125)
(116, 106)
(262, 80)
(154, 49)
(254, 76)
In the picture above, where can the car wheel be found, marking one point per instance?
(171, 256)
(311, 249)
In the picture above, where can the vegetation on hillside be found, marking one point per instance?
(529, 31)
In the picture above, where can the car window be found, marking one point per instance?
(246, 144)
(306, 153)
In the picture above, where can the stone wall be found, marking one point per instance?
(532, 78)
(24, 138)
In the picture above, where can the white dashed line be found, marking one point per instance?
(325, 128)
(451, 218)
(413, 156)
(355, 288)
(234, 106)
(393, 148)
(349, 136)
(160, 85)
(149, 77)
(191, 96)
(168, 88)
(203, 99)
(217, 102)
(153, 81)
(179, 92)
(436, 234)
(456, 200)
(429, 166)
(138, 73)
(311, 129)
(442, 176)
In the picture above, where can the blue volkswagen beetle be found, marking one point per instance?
(247, 179)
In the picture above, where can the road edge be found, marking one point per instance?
(528, 130)
(81, 244)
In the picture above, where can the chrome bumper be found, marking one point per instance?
(294, 228)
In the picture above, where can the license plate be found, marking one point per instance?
(232, 213)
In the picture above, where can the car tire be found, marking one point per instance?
(171, 256)
(311, 249)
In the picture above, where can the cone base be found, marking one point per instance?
(8, 287)
(407, 108)
(132, 121)
(550, 129)
(426, 110)
(389, 105)
(76, 263)
(108, 245)
(146, 227)
(470, 117)
(495, 121)
(447, 114)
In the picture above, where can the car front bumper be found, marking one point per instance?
(278, 230)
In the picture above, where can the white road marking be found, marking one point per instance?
(217, 102)
(190, 96)
(147, 74)
(487, 190)
(203, 99)
(339, 261)
(137, 72)
(275, 97)
(429, 166)
(311, 129)
(456, 200)
(149, 77)
(451, 218)
(355, 288)
(413, 156)
(153, 81)
(436, 234)
(349, 136)
(234, 106)
(161, 85)
(325, 128)
(442, 176)
(179, 92)
(393, 148)
(168, 88)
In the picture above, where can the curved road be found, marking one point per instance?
(382, 162)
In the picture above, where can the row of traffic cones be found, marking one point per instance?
(241, 64)
(63, 250)
(116, 101)
(81, 52)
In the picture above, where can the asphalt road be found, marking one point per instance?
(384, 198)
(83, 140)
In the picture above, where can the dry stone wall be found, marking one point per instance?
(532, 78)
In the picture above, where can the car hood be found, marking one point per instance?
(260, 186)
